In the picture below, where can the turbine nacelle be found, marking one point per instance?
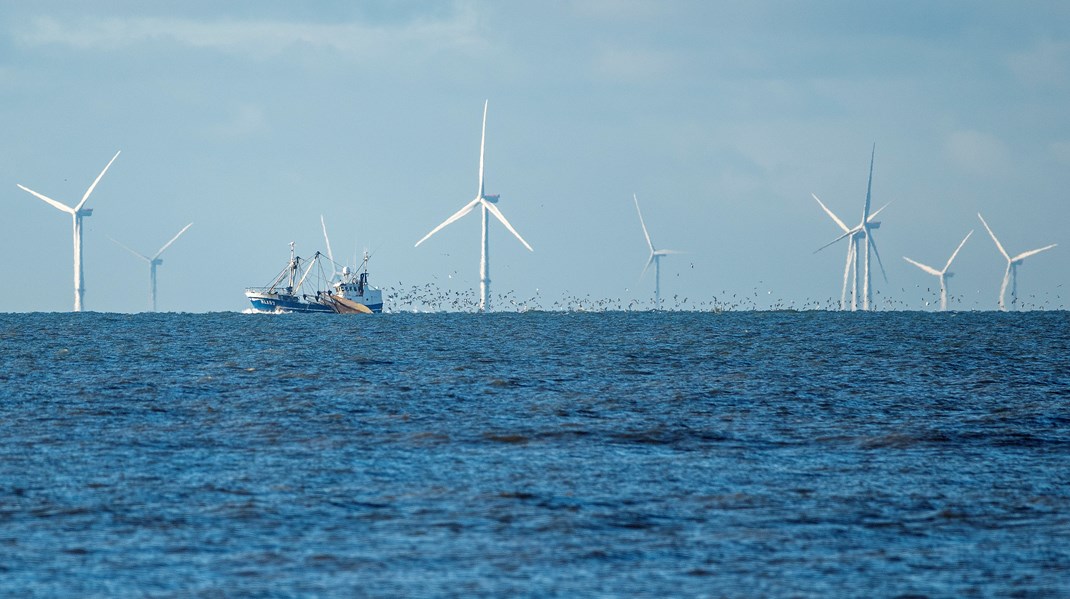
(492, 199)
(85, 212)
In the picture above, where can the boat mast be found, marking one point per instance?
(309, 269)
(293, 269)
(363, 278)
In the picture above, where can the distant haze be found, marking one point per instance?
(252, 119)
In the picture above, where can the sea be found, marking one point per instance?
(537, 454)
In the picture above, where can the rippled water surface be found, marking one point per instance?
(737, 454)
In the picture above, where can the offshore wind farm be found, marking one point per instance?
(725, 152)
(856, 285)
(857, 273)
(828, 386)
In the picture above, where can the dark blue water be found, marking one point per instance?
(538, 454)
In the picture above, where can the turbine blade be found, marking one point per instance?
(830, 213)
(847, 234)
(667, 252)
(463, 211)
(482, 146)
(1025, 255)
(330, 255)
(927, 269)
(1003, 287)
(993, 235)
(956, 252)
(869, 185)
(647, 267)
(873, 246)
(848, 267)
(498, 214)
(168, 244)
(57, 205)
(95, 181)
(874, 215)
(136, 253)
(645, 233)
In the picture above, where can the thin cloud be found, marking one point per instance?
(1047, 63)
(619, 10)
(1060, 151)
(619, 63)
(977, 153)
(259, 38)
(247, 120)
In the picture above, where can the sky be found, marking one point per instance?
(252, 119)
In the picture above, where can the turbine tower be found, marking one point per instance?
(860, 233)
(943, 274)
(655, 257)
(77, 214)
(153, 262)
(487, 206)
(1011, 274)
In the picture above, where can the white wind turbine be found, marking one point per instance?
(1011, 274)
(154, 261)
(943, 274)
(655, 257)
(487, 204)
(330, 254)
(860, 233)
(77, 214)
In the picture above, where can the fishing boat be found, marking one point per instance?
(349, 293)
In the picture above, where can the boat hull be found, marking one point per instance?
(280, 302)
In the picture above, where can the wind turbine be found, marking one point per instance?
(655, 257)
(860, 233)
(487, 205)
(335, 273)
(153, 262)
(1011, 274)
(943, 274)
(330, 255)
(77, 214)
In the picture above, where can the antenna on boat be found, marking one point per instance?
(293, 267)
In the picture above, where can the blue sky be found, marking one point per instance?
(254, 118)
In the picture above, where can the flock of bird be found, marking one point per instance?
(857, 274)
(430, 297)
